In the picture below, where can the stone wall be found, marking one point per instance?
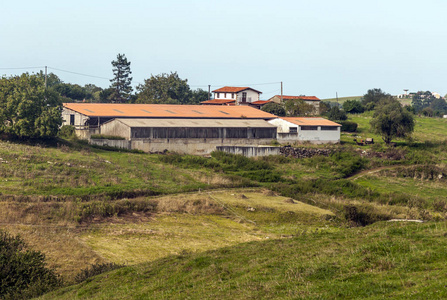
(303, 152)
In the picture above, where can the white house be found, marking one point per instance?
(314, 130)
(229, 95)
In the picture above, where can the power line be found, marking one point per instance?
(81, 74)
(22, 68)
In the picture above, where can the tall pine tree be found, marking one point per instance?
(121, 81)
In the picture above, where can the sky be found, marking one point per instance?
(316, 48)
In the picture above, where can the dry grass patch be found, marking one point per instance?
(167, 234)
(62, 247)
(262, 199)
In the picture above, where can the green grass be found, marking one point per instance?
(36, 170)
(341, 100)
(83, 205)
(429, 190)
(386, 260)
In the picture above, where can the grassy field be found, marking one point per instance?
(426, 129)
(385, 260)
(229, 226)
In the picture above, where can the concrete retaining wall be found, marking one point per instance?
(250, 151)
(123, 144)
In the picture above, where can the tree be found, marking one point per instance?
(324, 107)
(164, 88)
(336, 114)
(198, 96)
(274, 108)
(353, 107)
(27, 109)
(121, 82)
(373, 96)
(297, 107)
(52, 79)
(23, 273)
(390, 120)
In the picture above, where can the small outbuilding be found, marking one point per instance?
(299, 129)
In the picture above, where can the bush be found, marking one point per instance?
(335, 114)
(23, 273)
(106, 137)
(67, 131)
(348, 126)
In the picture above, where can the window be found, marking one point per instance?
(334, 128)
(232, 95)
(225, 95)
(72, 119)
(293, 129)
(309, 127)
(218, 95)
(244, 97)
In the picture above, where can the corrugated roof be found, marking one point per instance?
(234, 89)
(307, 98)
(310, 121)
(167, 111)
(201, 123)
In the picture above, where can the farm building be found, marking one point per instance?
(190, 129)
(314, 130)
(190, 136)
(87, 117)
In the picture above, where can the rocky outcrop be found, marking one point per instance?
(303, 152)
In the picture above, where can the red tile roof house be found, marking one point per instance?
(307, 99)
(230, 95)
(300, 130)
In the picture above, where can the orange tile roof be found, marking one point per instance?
(310, 121)
(167, 111)
(308, 98)
(218, 101)
(260, 102)
(233, 89)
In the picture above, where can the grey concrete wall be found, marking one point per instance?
(192, 146)
(116, 128)
(124, 144)
(85, 134)
(250, 151)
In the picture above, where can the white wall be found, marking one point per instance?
(282, 125)
(319, 136)
(80, 119)
(225, 96)
(313, 136)
(250, 94)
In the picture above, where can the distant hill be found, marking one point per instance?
(343, 99)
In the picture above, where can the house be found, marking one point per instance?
(312, 100)
(229, 95)
(299, 130)
(187, 129)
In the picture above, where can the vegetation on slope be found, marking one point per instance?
(386, 260)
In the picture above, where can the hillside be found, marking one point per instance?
(84, 206)
(386, 260)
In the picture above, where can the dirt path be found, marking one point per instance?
(376, 170)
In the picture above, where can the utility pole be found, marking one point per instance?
(281, 91)
(336, 96)
(45, 77)
(209, 91)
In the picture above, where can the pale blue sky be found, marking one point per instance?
(317, 47)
